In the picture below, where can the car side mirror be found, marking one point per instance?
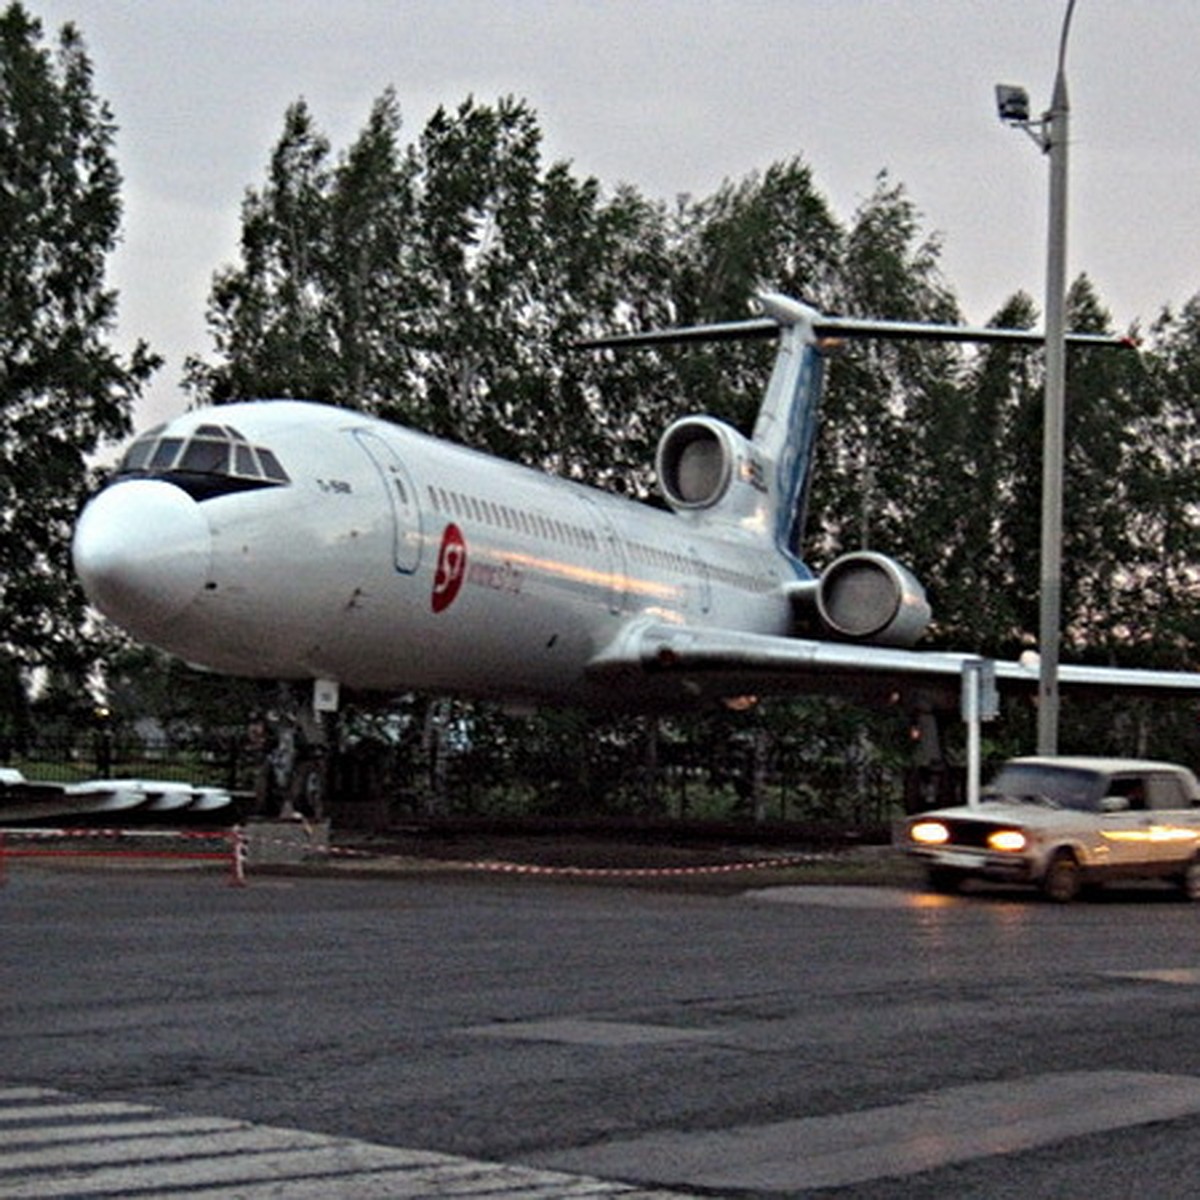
(1114, 804)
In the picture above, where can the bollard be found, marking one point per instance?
(237, 857)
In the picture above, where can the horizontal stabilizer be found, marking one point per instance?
(837, 327)
(784, 312)
(730, 331)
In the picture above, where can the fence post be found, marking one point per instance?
(3, 863)
(237, 857)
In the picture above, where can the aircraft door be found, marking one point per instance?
(402, 500)
(614, 554)
(703, 586)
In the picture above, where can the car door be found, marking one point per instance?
(1174, 824)
(1125, 821)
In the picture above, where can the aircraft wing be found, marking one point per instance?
(704, 664)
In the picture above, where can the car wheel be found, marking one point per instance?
(1062, 880)
(1189, 881)
(944, 879)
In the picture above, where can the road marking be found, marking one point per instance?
(577, 1032)
(850, 896)
(1186, 976)
(55, 1145)
(52, 1145)
(929, 1131)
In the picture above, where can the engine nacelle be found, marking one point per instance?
(698, 460)
(868, 597)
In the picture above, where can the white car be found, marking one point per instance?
(1063, 823)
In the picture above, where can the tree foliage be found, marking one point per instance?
(63, 389)
(443, 282)
(440, 284)
(886, 401)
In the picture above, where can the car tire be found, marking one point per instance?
(1189, 881)
(1063, 880)
(945, 880)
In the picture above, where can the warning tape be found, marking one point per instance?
(175, 834)
(234, 851)
(763, 864)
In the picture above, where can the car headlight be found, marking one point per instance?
(1009, 840)
(929, 833)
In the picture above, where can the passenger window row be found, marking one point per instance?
(504, 516)
(667, 560)
(463, 506)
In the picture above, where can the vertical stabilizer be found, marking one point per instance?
(785, 432)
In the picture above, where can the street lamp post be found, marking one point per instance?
(1050, 134)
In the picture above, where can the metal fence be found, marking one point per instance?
(209, 762)
(372, 783)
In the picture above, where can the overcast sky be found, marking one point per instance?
(673, 96)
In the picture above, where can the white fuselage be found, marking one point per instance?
(392, 560)
(289, 540)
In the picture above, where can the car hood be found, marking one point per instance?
(1008, 812)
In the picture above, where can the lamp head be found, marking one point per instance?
(1012, 103)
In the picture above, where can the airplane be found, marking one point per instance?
(293, 540)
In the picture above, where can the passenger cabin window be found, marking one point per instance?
(1166, 792)
(1131, 788)
(213, 460)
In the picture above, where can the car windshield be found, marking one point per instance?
(1060, 787)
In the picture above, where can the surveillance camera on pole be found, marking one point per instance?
(1012, 103)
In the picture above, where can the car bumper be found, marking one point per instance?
(1005, 868)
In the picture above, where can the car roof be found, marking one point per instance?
(1103, 765)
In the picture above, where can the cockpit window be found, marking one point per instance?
(245, 462)
(165, 454)
(212, 461)
(271, 468)
(138, 455)
(209, 458)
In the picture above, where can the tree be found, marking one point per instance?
(63, 389)
(883, 396)
(268, 318)
(442, 285)
(1155, 606)
(768, 232)
(981, 507)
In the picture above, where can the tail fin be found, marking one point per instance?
(785, 431)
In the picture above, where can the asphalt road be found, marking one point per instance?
(868, 1041)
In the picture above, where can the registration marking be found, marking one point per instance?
(956, 858)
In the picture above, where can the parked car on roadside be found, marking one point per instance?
(1061, 824)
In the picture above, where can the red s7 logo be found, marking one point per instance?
(451, 569)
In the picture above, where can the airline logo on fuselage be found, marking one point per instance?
(451, 569)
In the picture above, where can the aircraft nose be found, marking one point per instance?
(142, 550)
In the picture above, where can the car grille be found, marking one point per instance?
(972, 833)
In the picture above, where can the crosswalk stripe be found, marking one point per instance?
(50, 1111)
(33, 1135)
(56, 1146)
